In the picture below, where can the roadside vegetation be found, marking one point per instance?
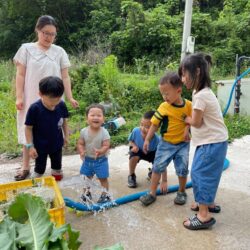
(118, 50)
(129, 94)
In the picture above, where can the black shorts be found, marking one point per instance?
(150, 156)
(41, 161)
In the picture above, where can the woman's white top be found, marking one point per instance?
(39, 64)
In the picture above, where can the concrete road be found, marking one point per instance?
(159, 226)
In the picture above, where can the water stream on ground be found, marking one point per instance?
(78, 188)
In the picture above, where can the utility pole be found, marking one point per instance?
(186, 27)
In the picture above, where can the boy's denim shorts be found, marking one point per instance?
(98, 166)
(206, 171)
(166, 152)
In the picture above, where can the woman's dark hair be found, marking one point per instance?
(193, 63)
(45, 20)
(95, 105)
(172, 78)
(51, 86)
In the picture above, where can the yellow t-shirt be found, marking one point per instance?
(171, 119)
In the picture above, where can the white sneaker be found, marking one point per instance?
(35, 175)
(57, 174)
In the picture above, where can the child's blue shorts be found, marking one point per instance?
(206, 171)
(98, 166)
(166, 152)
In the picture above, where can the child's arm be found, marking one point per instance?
(196, 119)
(29, 140)
(164, 182)
(103, 150)
(134, 147)
(150, 134)
(65, 131)
(187, 133)
(81, 148)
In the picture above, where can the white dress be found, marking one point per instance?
(39, 64)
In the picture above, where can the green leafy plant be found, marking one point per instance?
(8, 132)
(110, 75)
(27, 226)
(237, 126)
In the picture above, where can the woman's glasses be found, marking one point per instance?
(48, 34)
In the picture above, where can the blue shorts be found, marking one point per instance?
(166, 152)
(206, 171)
(100, 167)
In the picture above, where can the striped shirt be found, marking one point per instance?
(171, 119)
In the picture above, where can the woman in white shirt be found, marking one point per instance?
(35, 61)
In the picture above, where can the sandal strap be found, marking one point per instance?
(194, 221)
(196, 224)
(22, 175)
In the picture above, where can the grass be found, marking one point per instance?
(238, 126)
(138, 80)
(7, 73)
(8, 132)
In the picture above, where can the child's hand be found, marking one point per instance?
(188, 120)
(187, 134)
(187, 137)
(164, 187)
(146, 146)
(134, 149)
(97, 152)
(33, 153)
(82, 154)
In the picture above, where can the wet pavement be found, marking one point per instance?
(159, 226)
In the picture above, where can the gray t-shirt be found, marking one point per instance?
(93, 141)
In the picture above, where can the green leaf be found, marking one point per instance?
(27, 226)
(58, 233)
(57, 238)
(73, 236)
(58, 245)
(30, 210)
(7, 235)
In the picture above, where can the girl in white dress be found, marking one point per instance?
(35, 61)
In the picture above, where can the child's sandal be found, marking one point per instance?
(147, 199)
(216, 209)
(196, 224)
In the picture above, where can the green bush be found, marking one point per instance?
(131, 94)
(238, 126)
(135, 98)
(7, 70)
(8, 131)
(87, 85)
(5, 87)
